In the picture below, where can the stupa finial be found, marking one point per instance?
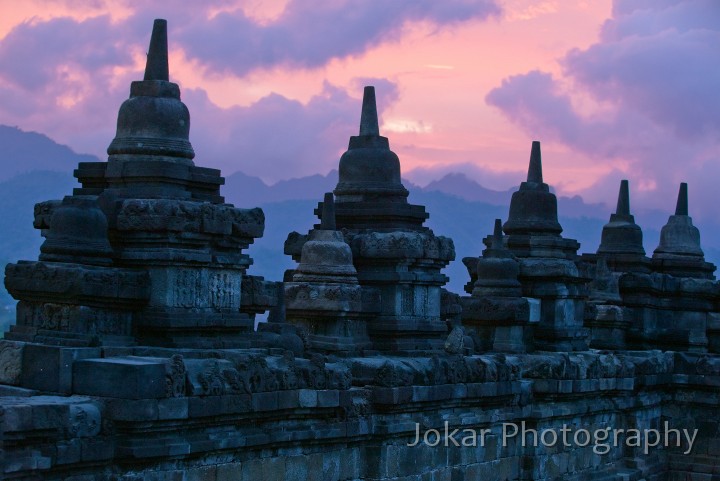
(156, 67)
(497, 239)
(369, 115)
(681, 207)
(535, 167)
(328, 213)
(623, 203)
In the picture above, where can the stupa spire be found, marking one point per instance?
(681, 208)
(369, 116)
(497, 239)
(327, 221)
(156, 67)
(623, 203)
(535, 167)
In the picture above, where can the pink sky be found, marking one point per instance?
(623, 90)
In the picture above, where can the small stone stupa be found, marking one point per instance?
(622, 238)
(324, 295)
(679, 253)
(603, 312)
(496, 310)
(547, 262)
(533, 208)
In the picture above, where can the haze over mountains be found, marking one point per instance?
(35, 169)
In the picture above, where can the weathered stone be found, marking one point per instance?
(391, 251)
(124, 377)
(679, 252)
(77, 233)
(11, 356)
(621, 235)
(533, 208)
(50, 368)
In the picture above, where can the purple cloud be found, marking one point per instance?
(277, 137)
(309, 34)
(34, 54)
(58, 76)
(655, 67)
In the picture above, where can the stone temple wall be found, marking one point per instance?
(134, 357)
(268, 416)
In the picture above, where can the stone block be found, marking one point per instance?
(296, 468)
(328, 398)
(173, 408)
(69, 452)
(10, 362)
(288, 399)
(132, 410)
(308, 398)
(205, 406)
(230, 472)
(264, 401)
(84, 420)
(235, 403)
(202, 473)
(50, 368)
(124, 377)
(97, 449)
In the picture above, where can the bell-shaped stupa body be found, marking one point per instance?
(497, 269)
(533, 208)
(369, 193)
(78, 233)
(153, 122)
(369, 168)
(622, 235)
(326, 257)
(151, 155)
(622, 239)
(679, 252)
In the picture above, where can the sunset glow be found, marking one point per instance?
(461, 88)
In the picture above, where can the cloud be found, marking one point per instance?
(36, 54)
(309, 34)
(66, 76)
(654, 73)
(275, 137)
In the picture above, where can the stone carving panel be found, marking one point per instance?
(10, 362)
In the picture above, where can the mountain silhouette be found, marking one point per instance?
(38, 169)
(30, 151)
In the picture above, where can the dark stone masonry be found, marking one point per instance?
(134, 354)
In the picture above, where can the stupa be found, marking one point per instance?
(679, 252)
(392, 251)
(622, 240)
(547, 262)
(151, 227)
(501, 318)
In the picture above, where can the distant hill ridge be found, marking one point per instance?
(38, 169)
(22, 152)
